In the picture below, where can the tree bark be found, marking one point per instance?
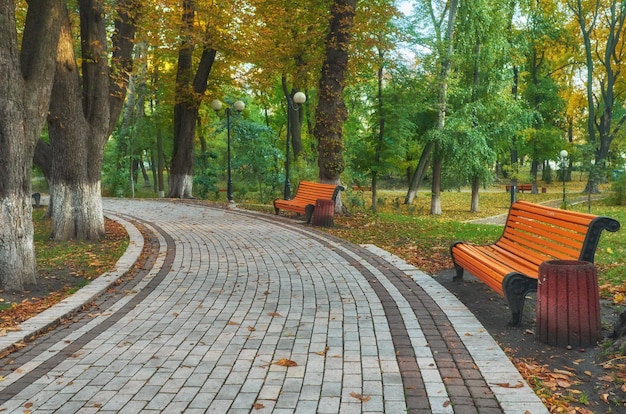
(27, 77)
(420, 172)
(189, 91)
(475, 195)
(83, 113)
(331, 109)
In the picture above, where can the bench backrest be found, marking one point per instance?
(541, 233)
(309, 191)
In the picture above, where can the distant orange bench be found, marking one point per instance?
(307, 194)
(532, 234)
(524, 187)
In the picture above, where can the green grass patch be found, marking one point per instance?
(85, 259)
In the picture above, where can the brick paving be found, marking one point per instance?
(237, 312)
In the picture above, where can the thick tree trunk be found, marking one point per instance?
(83, 112)
(331, 110)
(189, 92)
(77, 211)
(25, 95)
(181, 177)
(78, 129)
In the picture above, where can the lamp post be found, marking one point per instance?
(563, 155)
(293, 104)
(216, 104)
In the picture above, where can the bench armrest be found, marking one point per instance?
(592, 238)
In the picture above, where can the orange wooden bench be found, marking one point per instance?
(532, 235)
(307, 194)
(524, 187)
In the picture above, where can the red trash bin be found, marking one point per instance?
(568, 303)
(324, 213)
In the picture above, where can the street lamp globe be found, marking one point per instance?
(216, 104)
(563, 153)
(239, 106)
(299, 98)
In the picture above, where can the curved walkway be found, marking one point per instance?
(237, 312)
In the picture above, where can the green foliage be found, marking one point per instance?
(115, 179)
(618, 197)
(257, 163)
(205, 175)
(354, 199)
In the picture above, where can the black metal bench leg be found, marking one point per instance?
(459, 272)
(459, 269)
(308, 211)
(516, 286)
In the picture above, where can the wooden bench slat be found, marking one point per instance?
(573, 226)
(532, 235)
(548, 212)
(544, 245)
(548, 230)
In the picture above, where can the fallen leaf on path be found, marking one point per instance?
(274, 314)
(507, 385)
(322, 353)
(360, 397)
(285, 363)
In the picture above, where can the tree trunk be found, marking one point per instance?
(442, 102)
(381, 135)
(475, 192)
(610, 56)
(419, 173)
(374, 192)
(43, 159)
(73, 138)
(160, 163)
(83, 113)
(189, 92)
(331, 109)
(25, 90)
(435, 199)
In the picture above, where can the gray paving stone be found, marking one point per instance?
(235, 292)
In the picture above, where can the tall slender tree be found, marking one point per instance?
(445, 50)
(602, 25)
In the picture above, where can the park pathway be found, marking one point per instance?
(228, 311)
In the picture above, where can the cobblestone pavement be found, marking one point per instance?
(237, 312)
